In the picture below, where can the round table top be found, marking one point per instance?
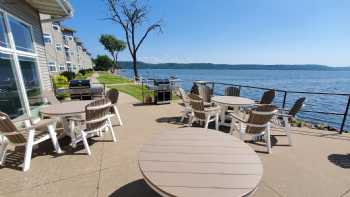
(65, 109)
(199, 162)
(232, 100)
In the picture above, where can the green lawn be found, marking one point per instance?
(108, 78)
(134, 90)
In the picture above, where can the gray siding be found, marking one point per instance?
(57, 38)
(23, 11)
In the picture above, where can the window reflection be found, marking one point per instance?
(10, 101)
(31, 80)
(3, 36)
(21, 35)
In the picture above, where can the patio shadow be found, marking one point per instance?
(135, 188)
(340, 160)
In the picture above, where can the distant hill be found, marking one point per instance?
(143, 65)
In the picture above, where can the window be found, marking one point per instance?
(58, 47)
(20, 88)
(22, 35)
(55, 26)
(70, 38)
(10, 100)
(47, 38)
(74, 67)
(79, 48)
(31, 80)
(52, 66)
(69, 67)
(3, 35)
(62, 67)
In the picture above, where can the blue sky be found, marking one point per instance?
(231, 31)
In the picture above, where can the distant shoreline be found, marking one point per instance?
(209, 66)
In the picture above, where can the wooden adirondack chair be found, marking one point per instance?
(97, 119)
(283, 118)
(113, 95)
(203, 114)
(257, 125)
(28, 136)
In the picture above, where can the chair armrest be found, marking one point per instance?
(210, 109)
(283, 115)
(20, 131)
(44, 122)
(77, 119)
(237, 118)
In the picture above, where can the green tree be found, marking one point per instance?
(103, 63)
(113, 46)
(131, 15)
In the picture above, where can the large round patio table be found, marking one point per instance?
(199, 162)
(64, 111)
(230, 101)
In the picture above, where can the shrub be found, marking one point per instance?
(60, 81)
(69, 75)
(103, 63)
(79, 76)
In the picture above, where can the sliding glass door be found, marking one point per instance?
(11, 101)
(20, 88)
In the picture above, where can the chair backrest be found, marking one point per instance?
(7, 126)
(205, 92)
(196, 102)
(268, 97)
(97, 114)
(194, 89)
(296, 107)
(232, 91)
(113, 95)
(183, 95)
(259, 118)
(50, 97)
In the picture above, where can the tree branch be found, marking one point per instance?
(149, 29)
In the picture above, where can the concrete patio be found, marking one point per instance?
(318, 164)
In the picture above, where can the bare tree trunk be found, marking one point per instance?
(134, 63)
(115, 63)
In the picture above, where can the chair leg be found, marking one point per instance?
(53, 137)
(85, 142)
(207, 121)
(241, 131)
(182, 118)
(29, 150)
(287, 131)
(3, 149)
(217, 121)
(118, 115)
(190, 120)
(111, 129)
(268, 138)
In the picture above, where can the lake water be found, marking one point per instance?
(290, 80)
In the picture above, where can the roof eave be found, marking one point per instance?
(58, 9)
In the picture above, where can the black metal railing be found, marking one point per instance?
(287, 93)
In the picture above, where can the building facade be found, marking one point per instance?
(23, 60)
(64, 50)
(53, 39)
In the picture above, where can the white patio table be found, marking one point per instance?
(64, 111)
(230, 101)
(199, 162)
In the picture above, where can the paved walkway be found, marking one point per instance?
(317, 165)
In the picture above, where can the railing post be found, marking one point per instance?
(284, 99)
(345, 116)
(212, 86)
(143, 97)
